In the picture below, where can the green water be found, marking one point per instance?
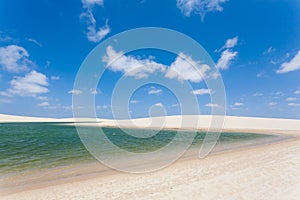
(26, 146)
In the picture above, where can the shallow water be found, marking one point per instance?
(25, 146)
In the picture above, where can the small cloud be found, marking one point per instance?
(95, 91)
(155, 91)
(41, 98)
(258, 94)
(213, 105)
(226, 58)
(202, 91)
(159, 104)
(134, 101)
(238, 104)
(269, 50)
(5, 38)
(291, 99)
(294, 104)
(175, 105)
(44, 104)
(75, 92)
(271, 104)
(230, 43)
(55, 78)
(103, 107)
(292, 65)
(34, 41)
(297, 92)
(91, 3)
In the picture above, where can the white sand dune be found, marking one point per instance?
(270, 171)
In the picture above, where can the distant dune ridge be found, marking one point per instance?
(204, 122)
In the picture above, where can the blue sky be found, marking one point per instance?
(255, 45)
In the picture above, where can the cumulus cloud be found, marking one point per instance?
(292, 65)
(129, 65)
(226, 57)
(75, 92)
(185, 68)
(93, 33)
(200, 7)
(32, 84)
(297, 92)
(202, 91)
(14, 59)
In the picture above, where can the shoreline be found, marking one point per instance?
(53, 177)
(118, 183)
(255, 170)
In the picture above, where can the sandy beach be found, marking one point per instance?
(269, 171)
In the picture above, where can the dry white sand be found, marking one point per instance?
(271, 171)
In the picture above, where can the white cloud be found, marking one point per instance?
(213, 105)
(14, 58)
(200, 7)
(155, 91)
(226, 57)
(93, 33)
(202, 91)
(272, 104)
(129, 65)
(103, 107)
(292, 65)
(231, 42)
(54, 78)
(31, 84)
(134, 101)
(258, 94)
(185, 68)
(291, 99)
(91, 3)
(159, 104)
(269, 50)
(238, 104)
(95, 91)
(34, 41)
(75, 92)
(44, 104)
(42, 98)
(297, 92)
(294, 104)
(5, 38)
